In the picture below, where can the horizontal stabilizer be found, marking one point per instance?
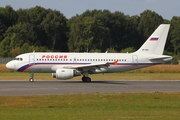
(163, 57)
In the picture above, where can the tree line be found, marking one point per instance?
(39, 29)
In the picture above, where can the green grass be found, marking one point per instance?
(112, 76)
(160, 106)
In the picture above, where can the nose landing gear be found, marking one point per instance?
(31, 79)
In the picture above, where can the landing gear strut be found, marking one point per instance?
(31, 79)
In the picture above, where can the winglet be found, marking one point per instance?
(115, 62)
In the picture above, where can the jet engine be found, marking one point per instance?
(63, 74)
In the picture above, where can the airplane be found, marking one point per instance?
(66, 65)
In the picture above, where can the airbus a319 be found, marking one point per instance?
(68, 65)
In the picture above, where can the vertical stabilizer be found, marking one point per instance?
(156, 42)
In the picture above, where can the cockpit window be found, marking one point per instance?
(18, 59)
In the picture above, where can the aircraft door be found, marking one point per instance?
(135, 60)
(74, 60)
(31, 59)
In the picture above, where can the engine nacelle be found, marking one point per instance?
(63, 74)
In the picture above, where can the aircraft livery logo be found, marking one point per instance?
(154, 38)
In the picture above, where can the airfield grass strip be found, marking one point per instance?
(161, 106)
(94, 77)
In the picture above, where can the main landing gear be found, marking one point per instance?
(31, 79)
(85, 78)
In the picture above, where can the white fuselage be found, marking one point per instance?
(50, 62)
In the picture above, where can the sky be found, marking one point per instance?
(166, 8)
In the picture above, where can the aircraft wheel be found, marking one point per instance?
(31, 80)
(86, 79)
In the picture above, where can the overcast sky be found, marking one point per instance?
(166, 8)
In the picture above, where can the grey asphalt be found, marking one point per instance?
(15, 88)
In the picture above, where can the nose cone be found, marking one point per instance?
(10, 65)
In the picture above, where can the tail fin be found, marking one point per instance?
(156, 42)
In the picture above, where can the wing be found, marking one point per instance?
(91, 65)
(92, 68)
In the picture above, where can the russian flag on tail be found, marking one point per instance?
(154, 38)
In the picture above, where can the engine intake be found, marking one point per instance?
(63, 74)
